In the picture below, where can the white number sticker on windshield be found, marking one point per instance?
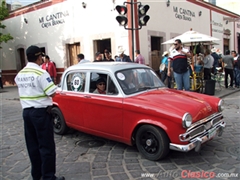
(121, 76)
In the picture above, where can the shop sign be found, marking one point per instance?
(53, 19)
(183, 14)
(217, 27)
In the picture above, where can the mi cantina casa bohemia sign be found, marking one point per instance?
(183, 14)
(53, 19)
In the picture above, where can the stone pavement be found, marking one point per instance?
(101, 159)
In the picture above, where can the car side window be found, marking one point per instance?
(76, 81)
(101, 83)
(111, 87)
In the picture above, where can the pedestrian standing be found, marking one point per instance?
(227, 64)
(36, 88)
(139, 58)
(50, 68)
(165, 70)
(236, 69)
(1, 84)
(108, 56)
(81, 59)
(208, 64)
(98, 57)
(216, 60)
(122, 57)
(178, 59)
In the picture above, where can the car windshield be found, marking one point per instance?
(137, 80)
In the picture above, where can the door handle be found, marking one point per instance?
(62, 93)
(87, 96)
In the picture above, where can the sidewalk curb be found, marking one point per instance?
(229, 93)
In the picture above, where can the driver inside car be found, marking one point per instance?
(101, 86)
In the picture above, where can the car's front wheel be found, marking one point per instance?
(152, 142)
(59, 125)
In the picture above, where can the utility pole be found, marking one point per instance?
(123, 19)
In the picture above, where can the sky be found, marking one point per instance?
(222, 3)
(23, 2)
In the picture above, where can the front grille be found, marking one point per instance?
(214, 118)
(200, 127)
(197, 131)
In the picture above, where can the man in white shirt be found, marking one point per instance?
(81, 59)
(178, 59)
(36, 90)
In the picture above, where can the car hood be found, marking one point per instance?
(174, 103)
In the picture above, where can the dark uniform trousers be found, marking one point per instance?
(40, 143)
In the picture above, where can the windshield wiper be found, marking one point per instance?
(147, 87)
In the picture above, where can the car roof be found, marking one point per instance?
(107, 66)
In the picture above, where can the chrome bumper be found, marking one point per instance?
(198, 141)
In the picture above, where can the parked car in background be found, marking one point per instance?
(136, 109)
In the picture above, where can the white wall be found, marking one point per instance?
(97, 21)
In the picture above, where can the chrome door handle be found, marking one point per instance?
(87, 96)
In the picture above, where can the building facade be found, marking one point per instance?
(65, 28)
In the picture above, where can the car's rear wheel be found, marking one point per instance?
(152, 142)
(59, 125)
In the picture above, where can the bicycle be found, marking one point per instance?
(196, 82)
(219, 78)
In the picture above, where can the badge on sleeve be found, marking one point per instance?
(49, 79)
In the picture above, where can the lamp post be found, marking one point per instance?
(132, 29)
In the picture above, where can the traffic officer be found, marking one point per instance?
(36, 90)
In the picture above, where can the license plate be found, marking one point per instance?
(211, 133)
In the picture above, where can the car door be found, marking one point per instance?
(72, 98)
(103, 112)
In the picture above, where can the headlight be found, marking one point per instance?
(186, 120)
(220, 105)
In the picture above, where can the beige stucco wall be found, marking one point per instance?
(97, 21)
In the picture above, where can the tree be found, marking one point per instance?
(3, 15)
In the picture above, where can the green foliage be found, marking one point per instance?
(3, 15)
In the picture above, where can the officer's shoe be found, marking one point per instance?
(60, 178)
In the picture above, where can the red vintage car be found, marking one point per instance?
(127, 102)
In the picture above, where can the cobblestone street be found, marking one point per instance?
(102, 159)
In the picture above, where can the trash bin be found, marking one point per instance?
(210, 87)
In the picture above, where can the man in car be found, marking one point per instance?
(101, 86)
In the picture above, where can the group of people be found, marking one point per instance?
(107, 57)
(231, 67)
(36, 87)
(177, 61)
(183, 63)
(37, 102)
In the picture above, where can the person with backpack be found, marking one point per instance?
(123, 57)
(216, 60)
(50, 68)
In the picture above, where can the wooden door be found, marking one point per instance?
(74, 50)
